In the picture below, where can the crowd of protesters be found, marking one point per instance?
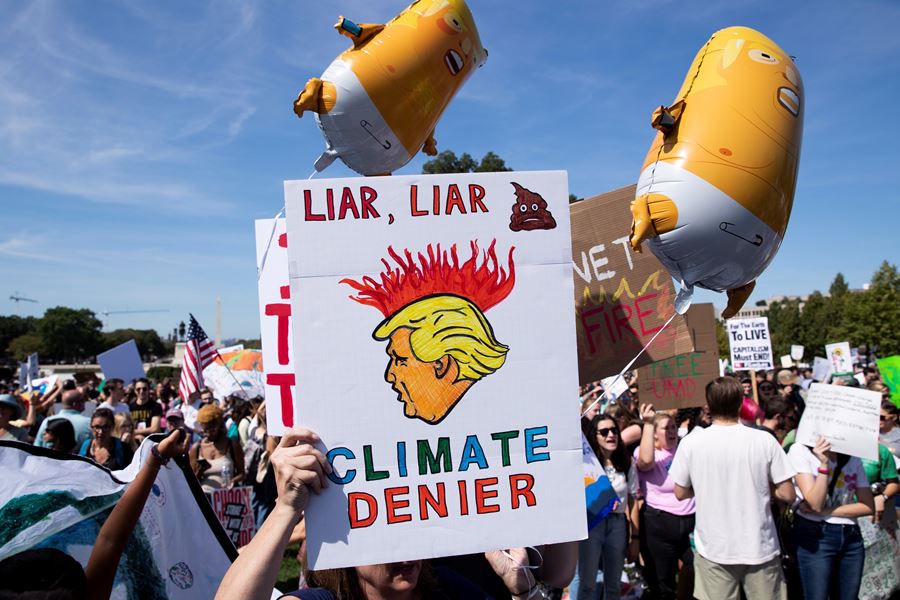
(717, 501)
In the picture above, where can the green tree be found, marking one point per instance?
(722, 340)
(70, 334)
(447, 162)
(149, 344)
(875, 315)
(785, 326)
(20, 347)
(250, 344)
(839, 286)
(13, 326)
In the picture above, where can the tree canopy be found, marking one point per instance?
(448, 162)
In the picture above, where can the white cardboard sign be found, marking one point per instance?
(821, 369)
(846, 416)
(437, 363)
(797, 352)
(751, 348)
(840, 358)
(275, 323)
(122, 362)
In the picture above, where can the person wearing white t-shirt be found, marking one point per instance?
(827, 541)
(729, 469)
(114, 391)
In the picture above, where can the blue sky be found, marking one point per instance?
(139, 140)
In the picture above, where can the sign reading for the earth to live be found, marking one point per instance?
(435, 355)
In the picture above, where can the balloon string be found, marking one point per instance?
(628, 366)
(526, 569)
(265, 255)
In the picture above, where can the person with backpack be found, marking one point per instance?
(103, 447)
(827, 541)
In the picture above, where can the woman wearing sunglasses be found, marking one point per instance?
(608, 540)
(103, 447)
(665, 521)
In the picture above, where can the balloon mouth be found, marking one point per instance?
(789, 99)
(454, 62)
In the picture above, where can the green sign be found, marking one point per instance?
(890, 374)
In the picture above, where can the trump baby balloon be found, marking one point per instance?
(377, 104)
(715, 192)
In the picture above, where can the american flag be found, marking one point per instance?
(199, 352)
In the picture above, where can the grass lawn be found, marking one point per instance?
(289, 572)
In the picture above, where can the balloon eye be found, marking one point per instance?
(523, 208)
(453, 21)
(534, 207)
(762, 57)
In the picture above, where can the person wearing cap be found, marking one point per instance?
(11, 410)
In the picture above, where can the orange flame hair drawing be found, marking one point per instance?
(485, 284)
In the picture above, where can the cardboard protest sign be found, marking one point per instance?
(122, 362)
(622, 298)
(43, 385)
(234, 511)
(846, 416)
(839, 357)
(275, 326)
(890, 374)
(821, 369)
(438, 363)
(600, 497)
(786, 361)
(751, 347)
(680, 381)
(797, 352)
(614, 386)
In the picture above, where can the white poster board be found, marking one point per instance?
(461, 439)
(122, 362)
(786, 361)
(614, 386)
(821, 369)
(797, 352)
(275, 322)
(846, 416)
(751, 348)
(839, 357)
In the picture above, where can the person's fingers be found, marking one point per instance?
(306, 449)
(308, 464)
(301, 435)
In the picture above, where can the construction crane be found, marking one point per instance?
(17, 298)
(106, 313)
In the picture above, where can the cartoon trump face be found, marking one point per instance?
(439, 341)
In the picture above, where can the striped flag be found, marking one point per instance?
(198, 354)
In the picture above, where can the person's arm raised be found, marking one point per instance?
(299, 469)
(113, 536)
(815, 487)
(647, 452)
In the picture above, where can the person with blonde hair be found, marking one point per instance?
(124, 430)
(217, 460)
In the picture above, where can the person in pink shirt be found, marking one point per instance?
(665, 521)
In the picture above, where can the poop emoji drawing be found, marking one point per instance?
(439, 341)
(530, 211)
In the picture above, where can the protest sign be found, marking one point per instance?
(275, 326)
(600, 497)
(122, 362)
(786, 361)
(821, 369)
(723, 366)
(438, 363)
(890, 374)
(680, 381)
(846, 416)
(42, 385)
(232, 508)
(28, 371)
(614, 386)
(839, 357)
(797, 352)
(751, 347)
(622, 298)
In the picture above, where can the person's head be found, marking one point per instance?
(623, 415)
(750, 411)
(42, 573)
(747, 386)
(211, 421)
(870, 374)
(724, 396)
(60, 435)
(206, 397)
(73, 399)
(776, 411)
(10, 409)
(142, 390)
(124, 425)
(114, 390)
(606, 441)
(634, 393)
(592, 406)
(877, 386)
(765, 390)
(665, 431)
(889, 414)
(383, 580)
(103, 421)
(174, 420)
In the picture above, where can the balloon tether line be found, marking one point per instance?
(265, 255)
